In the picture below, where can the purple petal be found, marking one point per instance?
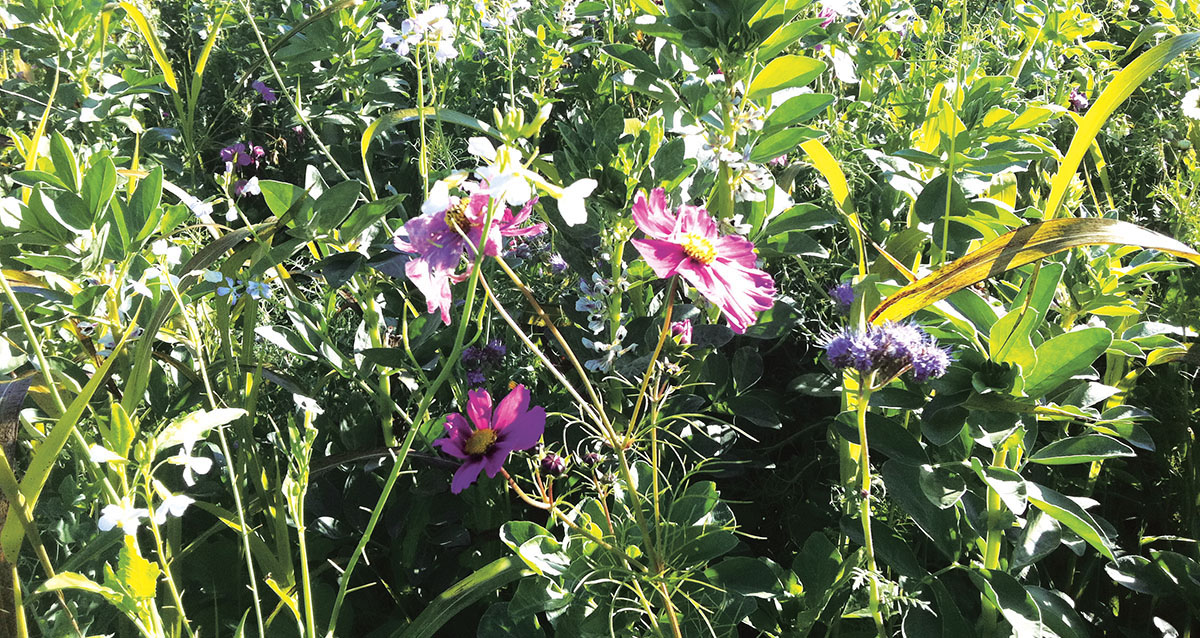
(494, 461)
(465, 475)
(524, 432)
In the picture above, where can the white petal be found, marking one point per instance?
(481, 147)
(438, 200)
(101, 454)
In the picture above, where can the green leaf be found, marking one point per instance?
(333, 206)
(1041, 536)
(744, 576)
(1058, 613)
(534, 545)
(1070, 514)
(195, 426)
(63, 158)
(1017, 248)
(1015, 604)
(1065, 356)
(141, 213)
(156, 48)
(1081, 449)
(884, 436)
(366, 215)
(795, 110)
(137, 576)
(784, 72)
(99, 185)
(785, 36)
(1121, 87)
(779, 143)
(280, 196)
(747, 368)
(72, 580)
(632, 56)
(1010, 337)
(1008, 485)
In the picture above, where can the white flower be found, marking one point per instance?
(438, 200)
(481, 147)
(100, 454)
(231, 214)
(192, 465)
(1191, 104)
(842, 8)
(571, 201)
(170, 252)
(843, 65)
(307, 404)
(124, 516)
(430, 28)
(175, 505)
(213, 276)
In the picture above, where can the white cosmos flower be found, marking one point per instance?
(571, 203)
(124, 516)
(175, 505)
(101, 454)
(1191, 104)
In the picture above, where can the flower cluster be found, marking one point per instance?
(609, 352)
(264, 91)
(485, 437)
(723, 268)
(843, 297)
(233, 287)
(430, 28)
(889, 349)
(240, 156)
(1077, 100)
(502, 12)
(449, 227)
(479, 360)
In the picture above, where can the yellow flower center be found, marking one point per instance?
(699, 248)
(456, 215)
(481, 441)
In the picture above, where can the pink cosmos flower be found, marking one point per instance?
(435, 238)
(721, 267)
(491, 435)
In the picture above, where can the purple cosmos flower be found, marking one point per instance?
(843, 297)
(265, 91)
(723, 268)
(436, 237)
(485, 441)
(681, 331)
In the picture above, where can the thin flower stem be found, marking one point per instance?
(605, 423)
(637, 588)
(558, 375)
(162, 561)
(422, 158)
(418, 422)
(374, 319)
(671, 617)
(864, 486)
(243, 530)
(991, 552)
(662, 338)
(288, 94)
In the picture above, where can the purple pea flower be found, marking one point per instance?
(265, 91)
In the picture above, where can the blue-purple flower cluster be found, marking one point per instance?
(478, 360)
(843, 297)
(889, 349)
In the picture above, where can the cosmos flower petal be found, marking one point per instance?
(511, 407)
(524, 432)
(479, 408)
(466, 474)
(494, 461)
(663, 256)
(652, 216)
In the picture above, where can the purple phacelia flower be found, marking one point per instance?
(888, 349)
(265, 91)
(476, 378)
(929, 362)
(843, 297)
(494, 352)
(1077, 100)
(472, 355)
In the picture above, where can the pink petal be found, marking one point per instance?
(694, 219)
(465, 475)
(479, 408)
(524, 432)
(652, 216)
(510, 407)
(740, 292)
(663, 256)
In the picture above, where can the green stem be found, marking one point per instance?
(162, 560)
(662, 338)
(995, 533)
(864, 487)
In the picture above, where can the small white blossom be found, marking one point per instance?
(571, 201)
(1191, 104)
(175, 505)
(100, 454)
(170, 252)
(307, 404)
(192, 465)
(124, 516)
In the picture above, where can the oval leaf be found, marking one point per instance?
(1081, 449)
(784, 72)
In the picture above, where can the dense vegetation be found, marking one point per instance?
(626, 318)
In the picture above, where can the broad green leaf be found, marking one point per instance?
(785, 36)
(1041, 536)
(1008, 485)
(1058, 613)
(484, 581)
(99, 185)
(72, 580)
(630, 55)
(779, 143)
(1121, 87)
(1081, 449)
(795, 110)
(1015, 604)
(333, 206)
(825, 164)
(1065, 356)
(137, 575)
(156, 48)
(1009, 339)
(1071, 515)
(744, 576)
(195, 426)
(904, 484)
(784, 72)
(1017, 248)
(63, 157)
